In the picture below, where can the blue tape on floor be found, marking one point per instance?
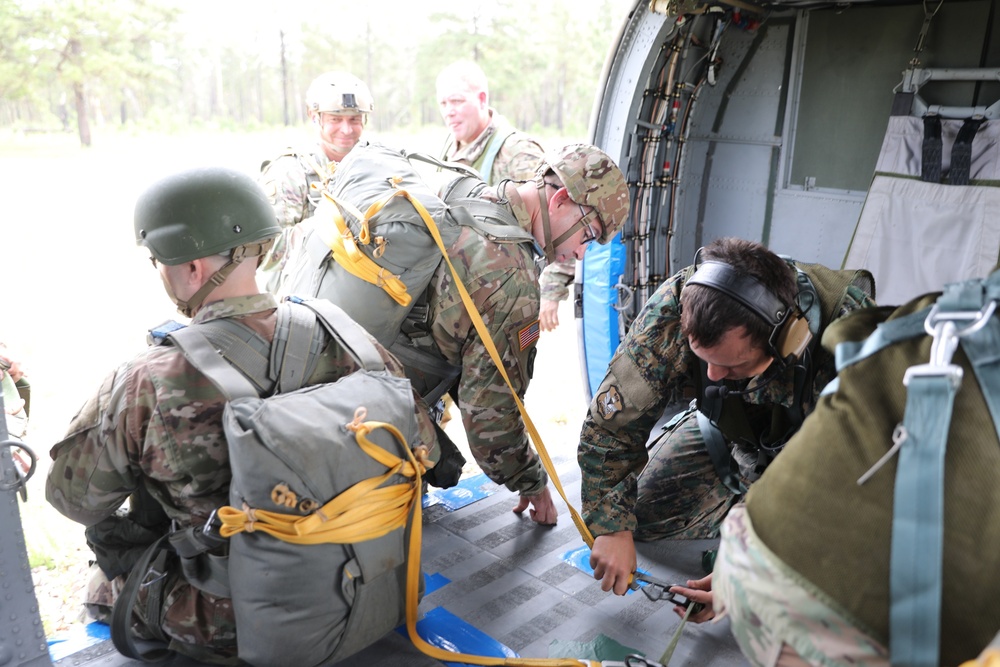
(580, 559)
(433, 582)
(440, 628)
(77, 640)
(466, 492)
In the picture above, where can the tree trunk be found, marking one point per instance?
(82, 122)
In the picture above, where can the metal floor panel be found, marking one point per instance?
(509, 579)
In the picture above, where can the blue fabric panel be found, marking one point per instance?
(603, 266)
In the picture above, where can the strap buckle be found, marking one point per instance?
(943, 327)
(633, 660)
(212, 524)
(657, 589)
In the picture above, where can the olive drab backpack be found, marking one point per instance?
(322, 494)
(963, 317)
(371, 247)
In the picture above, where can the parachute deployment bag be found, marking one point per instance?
(370, 224)
(321, 496)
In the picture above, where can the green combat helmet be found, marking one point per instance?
(593, 179)
(339, 92)
(202, 212)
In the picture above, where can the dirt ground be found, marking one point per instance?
(79, 297)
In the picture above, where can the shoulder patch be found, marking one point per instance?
(609, 403)
(526, 336)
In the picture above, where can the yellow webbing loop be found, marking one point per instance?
(347, 254)
(363, 512)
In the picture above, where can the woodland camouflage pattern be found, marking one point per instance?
(654, 367)
(771, 608)
(157, 419)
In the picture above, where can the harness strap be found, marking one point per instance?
(918, 514)
(206, 572)
(489, 156)
(197, 348)
(932, 150)
(299, 347)
(153, 563)
(961, 152)
(429, 364)
(718, 450)
(496, 222)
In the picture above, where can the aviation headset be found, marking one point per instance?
(790, 333)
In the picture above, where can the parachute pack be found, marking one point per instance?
(371, 247)
(321, 500)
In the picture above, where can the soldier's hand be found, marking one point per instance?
(613, 560)
(543, 510)
(548, 315)
(697, 590)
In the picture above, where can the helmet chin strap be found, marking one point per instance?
(549, 245)
(190, 307)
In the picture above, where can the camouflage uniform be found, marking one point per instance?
(517, 160)
(502, 281)
(774, 611)
(157, 421)
(288, 182)
(654, 368)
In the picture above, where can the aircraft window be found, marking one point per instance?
(853, 59)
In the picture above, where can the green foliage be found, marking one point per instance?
(142, 63)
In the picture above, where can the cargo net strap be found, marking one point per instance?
(347, 253)
(365, 511)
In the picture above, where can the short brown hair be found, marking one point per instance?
(707, 314)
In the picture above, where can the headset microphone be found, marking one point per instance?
(721, 391)
(714, 391)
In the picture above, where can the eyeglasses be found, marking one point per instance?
(589, 233)
(152, 260)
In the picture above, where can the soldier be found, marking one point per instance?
(153, 431)
(485, 140)
(741, 312)
(338, 105)
(578, 195)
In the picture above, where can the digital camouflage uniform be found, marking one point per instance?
(502, 281)
(678, 494)
(158, 421)
(517, 160)
(288, 182)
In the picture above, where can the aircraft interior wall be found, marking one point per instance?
(768, 127)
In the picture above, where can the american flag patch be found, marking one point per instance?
(528, 335)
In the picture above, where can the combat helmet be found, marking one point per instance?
(339, 92)
(202, 212)
(593, 179)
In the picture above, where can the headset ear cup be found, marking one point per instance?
(794, 337)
